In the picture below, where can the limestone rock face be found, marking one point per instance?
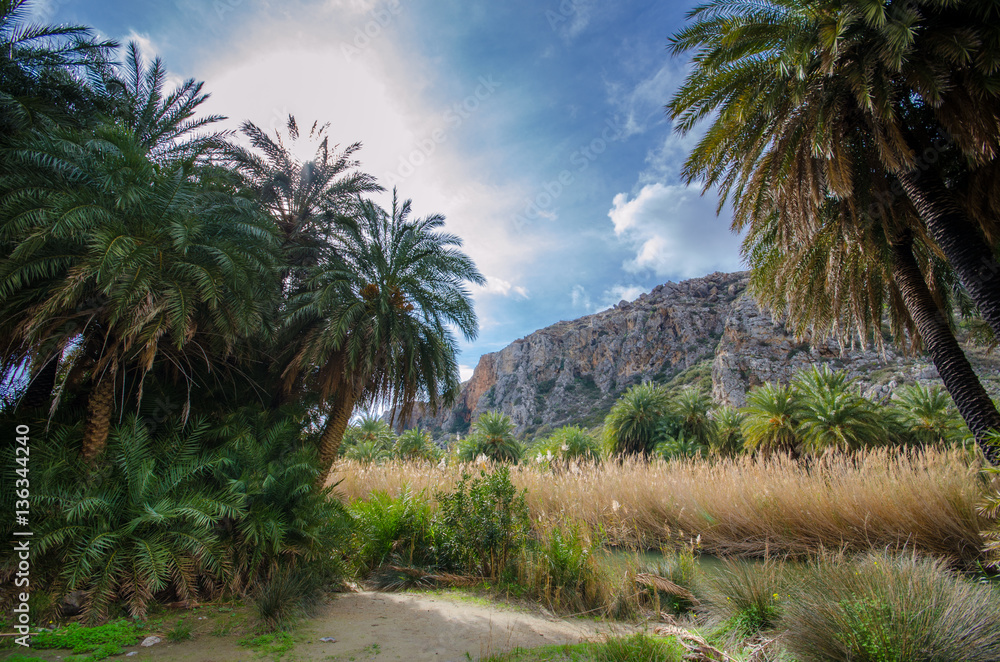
(572, 372)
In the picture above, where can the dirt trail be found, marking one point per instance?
(439, 627)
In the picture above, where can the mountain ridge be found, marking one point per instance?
(702, 330)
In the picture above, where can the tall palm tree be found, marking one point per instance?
(856, 100)
(43, 69)
(818, 110)
(375, 324)
(164, 123)
(120, 263)
(308, 200)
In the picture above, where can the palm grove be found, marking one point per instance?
(190, 318)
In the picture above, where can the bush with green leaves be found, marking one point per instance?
(369, 441)
(97, 642)
(631, 426)
(567, 444)
(692, 407)
(486, 521)
(560, 570)
(888, 608)
(747, 597)
(287, 522)
(396, 530)
(144, 524)
(492, 437)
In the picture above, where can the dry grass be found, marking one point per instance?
(880, 499)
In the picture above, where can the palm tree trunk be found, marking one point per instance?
(974, 404)
(960, 239)
(99, 410)
(333, 434)
(39, 392)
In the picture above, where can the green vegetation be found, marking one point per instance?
(637, 648)
(492, 437)
(98, 642)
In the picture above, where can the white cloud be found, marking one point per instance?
(620, 293)
(465, 372)
(641, 105)
(674, 231)
(616, 294)
(501, 287)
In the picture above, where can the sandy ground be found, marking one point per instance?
(442, 627)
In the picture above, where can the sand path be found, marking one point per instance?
(439, 627)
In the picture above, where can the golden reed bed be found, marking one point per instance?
(875, 499)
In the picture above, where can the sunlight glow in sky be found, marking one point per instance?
(536, 126)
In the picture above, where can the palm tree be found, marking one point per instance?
(856, 100)
(416, 444)
(728, 440)
(121, 263)
(771, 419)
(492, 436)
(371, 431)
(811, 157)
(840, 279)
(928, 414)
(146, 527)
(691, 407)
(833, 413)
(632, 424)
(165, 124)
(375, 323)
(308, 200)
(570, 442)
(42, 72)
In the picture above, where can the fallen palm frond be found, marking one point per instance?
(665, 586)
(698, 650)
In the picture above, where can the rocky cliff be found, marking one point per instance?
(572, 372)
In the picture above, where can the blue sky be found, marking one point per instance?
(536, 126)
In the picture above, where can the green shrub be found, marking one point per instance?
(180, 632)
(397, 530)
(885, 608)
(144, 525)
(562, 571)
(631, 426)
(728, 438)
(287, 521)
(638, 648)
(487, 522)
(746, 597)
(928, 415)
(568, 443)
(280, 599)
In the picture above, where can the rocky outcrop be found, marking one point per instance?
(572, 372)
(756, 348)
